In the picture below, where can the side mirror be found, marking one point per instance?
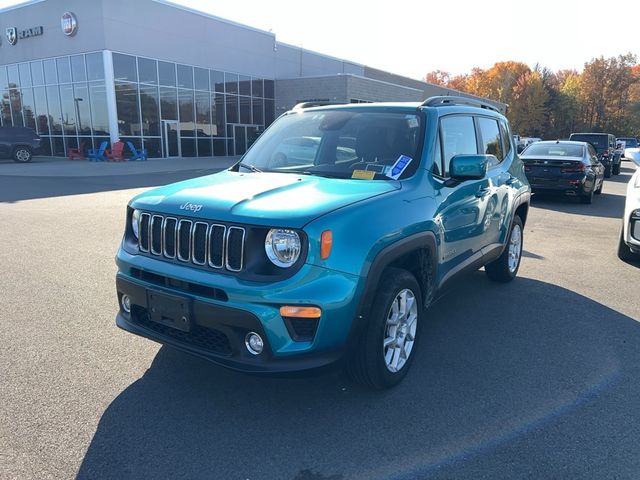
(469, 167)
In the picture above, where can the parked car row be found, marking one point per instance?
(629, 244)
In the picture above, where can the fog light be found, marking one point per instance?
(126, 303)
(254, 343)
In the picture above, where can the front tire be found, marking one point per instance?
(388, 345)
(22, 155)
(624, 252)
(506, 266)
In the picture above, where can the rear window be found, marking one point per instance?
(600, 141)
(554, 150)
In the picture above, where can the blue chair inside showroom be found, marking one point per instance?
(137, 154)
(98, 155)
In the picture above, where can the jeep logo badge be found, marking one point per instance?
(12, 35)
(191, 207)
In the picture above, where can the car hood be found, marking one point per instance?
(276, 199)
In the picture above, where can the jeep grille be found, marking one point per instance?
(189, 241)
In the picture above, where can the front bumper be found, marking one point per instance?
(224, 309)
(631, 232)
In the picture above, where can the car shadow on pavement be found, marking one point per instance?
(626, 170)
(528, 366)
(605, 205)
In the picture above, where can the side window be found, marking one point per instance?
(490, 137)
(437, 158)
(458, 137)
(506, 143)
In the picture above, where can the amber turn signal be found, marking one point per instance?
(325, 244)
(300, 312)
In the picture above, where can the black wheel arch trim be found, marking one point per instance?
(373, 274)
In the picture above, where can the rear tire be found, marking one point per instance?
(22, 155)
(624, 252)
(506, 266)
(599, 190)
(616, 169)
(587, 198)
(388, 344)
(607, 172)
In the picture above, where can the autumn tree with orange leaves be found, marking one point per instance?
(604, 97)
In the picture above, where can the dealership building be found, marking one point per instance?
(175, 81)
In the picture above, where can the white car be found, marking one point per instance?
(629, 246)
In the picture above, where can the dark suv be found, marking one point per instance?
(18, 143)
(605, 145)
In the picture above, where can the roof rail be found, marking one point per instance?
(303, 105)
(457, 100)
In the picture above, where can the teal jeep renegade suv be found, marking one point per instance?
(328, 239)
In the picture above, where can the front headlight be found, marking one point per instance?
(282, 246)
(135, 222)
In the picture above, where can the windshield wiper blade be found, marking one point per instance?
(253, 168)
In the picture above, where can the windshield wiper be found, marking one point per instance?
(253, 168)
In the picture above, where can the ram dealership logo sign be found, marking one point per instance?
(12, 35)
(69, 24)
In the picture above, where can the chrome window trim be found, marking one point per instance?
(193, 240)
(226, 258)
(224, 244)
(142, 215)
(153, 218)
(188, 258)
(175, 240)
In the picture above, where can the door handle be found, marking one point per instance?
(483, 192)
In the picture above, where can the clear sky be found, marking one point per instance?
(413, 37)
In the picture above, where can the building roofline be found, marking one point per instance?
(169, 3)
(354, 75)
(313, 52)
(20, 5)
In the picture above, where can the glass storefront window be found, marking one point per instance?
(232, 109)
(152, 144)
(218, 114)
(217, 81)
(245, 109)
(68, 110)
(185, 76)
(83, 112)
(186, 113)
(168, 103)
(12, 73)
(55, 112)
(77, 68)
(5, 108)
(95, 66)
(64, 69)
(50, 74)
(203, 114)
(204, 147)
(28, 110)
(201, 78)
(4, 80)
(37, 75)
(99, 115)
(256, 85)
(167, 73)
(269, 111)
(148, 70)
(269, 89)
(40, 102)
(57, 146)
(231, 83)
(124, 67)
(25, 75)
(127, 106)
(258, 111)
(245, 85)
(188, 147)
(219, 147)
(150, 110)
(15, 97)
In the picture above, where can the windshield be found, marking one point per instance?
(339, 143)
(555, 149)
(598, 141)
(629, 142)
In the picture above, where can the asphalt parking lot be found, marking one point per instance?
(534, 379)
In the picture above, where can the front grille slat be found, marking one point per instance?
(197, 242)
